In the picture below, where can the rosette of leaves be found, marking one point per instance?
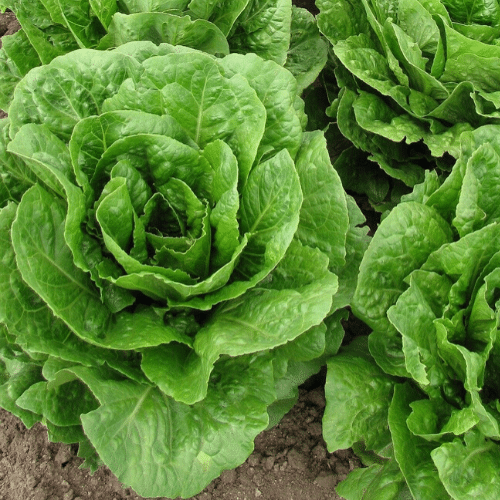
(423, 407)
(174, 253)
(412, 76)
(273, 29)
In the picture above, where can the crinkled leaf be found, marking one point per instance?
(189, 445)
(411, 452)
(358, 395)
(308, 52)
(402, 242)
(264, 29)
(469, 467)
(323, 216)
(277, 90)
(377, 482)
(60, 94)
(159, 27)
(210, 106)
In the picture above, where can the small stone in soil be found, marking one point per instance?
(319, 452)
(228, 476)
(254, 460)
(296, 460)
(269, 463)
(326, 481)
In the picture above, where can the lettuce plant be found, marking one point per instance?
(175, 255)
(273, 29)
(420, 398)
(413, 75)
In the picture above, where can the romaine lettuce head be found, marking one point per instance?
(171, 245)
(429, 286)
(413, 75)
(272, 29)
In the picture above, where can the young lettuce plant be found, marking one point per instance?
(174, 257)
(273, 29)
(413, 75)
(420, 397)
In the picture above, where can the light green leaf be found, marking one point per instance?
(15, 176)
(413, 453)
(377, 482)
(159, 27)
(17, 57)
(480, 12)
(78, 17)
(62, 93)
(402, 243)
(413, 316)
(227, 14)
(269, 213)
(261, 319)
(92, 136)
(324, 218)
(339, 19)
(277, 90)
(264, 29)
(225, 196)
(186, 446)
(104, 10)
(48, 37)
(17, 377)
(478, 204)
(308, 52)
(208, 105)
(136, 6)
(469, 467)
(358, 395)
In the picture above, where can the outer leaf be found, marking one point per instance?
(17, 57)
(227, 13)
(339, 19)
(412, 452)
(308, 52)
(69, 89)
(377, 482)
(201, 99)
(135, 6)
(469, 468)
(15, 176)
(140, 433)
(17, 377)
(264, 29)
(77, 15)
(48, 37)
(323, 217)
(406, 237)
(357, 242)
(159, 27)
(104, 10)
(358, 395)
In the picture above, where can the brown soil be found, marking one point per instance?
(290, 461)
